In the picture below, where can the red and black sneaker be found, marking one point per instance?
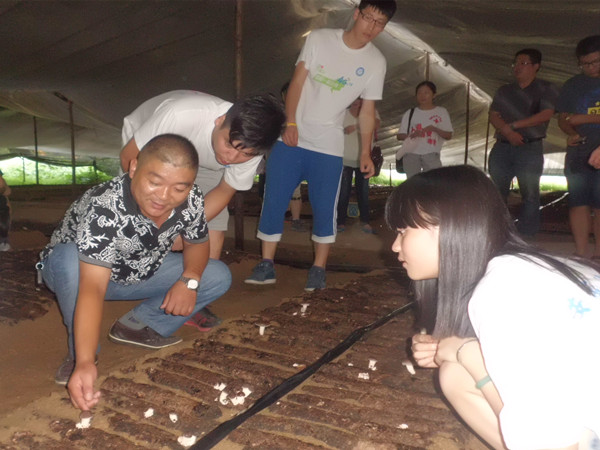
(204, 320)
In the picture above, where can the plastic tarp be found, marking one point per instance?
(108, 57)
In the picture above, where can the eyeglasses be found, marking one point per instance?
(379, 23)
(522, 63)
(589, 63)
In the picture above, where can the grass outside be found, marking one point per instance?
(21, 172)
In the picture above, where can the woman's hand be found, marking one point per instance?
(448, 348)
(424, 348)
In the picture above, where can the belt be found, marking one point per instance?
(525, 140)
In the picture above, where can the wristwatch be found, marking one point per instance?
(190, 283)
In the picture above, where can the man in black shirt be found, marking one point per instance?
(520, 112)
(114, 244)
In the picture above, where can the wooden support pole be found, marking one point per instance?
(467, 120)
(35, 142)
(238, 198)
(73, 177)
(487, 140)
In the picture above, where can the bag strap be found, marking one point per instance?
(412, 111)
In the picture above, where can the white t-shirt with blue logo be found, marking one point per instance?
(337, 75)
(540, 339)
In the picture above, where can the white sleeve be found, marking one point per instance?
(520, 312)
(404, 123)
(446, 124)
(241, 176)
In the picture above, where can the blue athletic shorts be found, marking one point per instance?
(286, 168)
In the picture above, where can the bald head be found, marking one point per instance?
(170, 149)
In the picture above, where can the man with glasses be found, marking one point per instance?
(579, 117)
(334, 68)
(520, 112)
(230, 139)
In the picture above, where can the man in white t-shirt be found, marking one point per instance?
(230, 140)
(334, 68)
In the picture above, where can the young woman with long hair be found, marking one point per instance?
(515, 331)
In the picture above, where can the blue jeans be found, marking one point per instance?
(526, 162)
(61, 275)
(362, 195)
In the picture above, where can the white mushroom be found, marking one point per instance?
(304, 307)
(409, 366)
(149, 413)
(363, 376)
(187, 440)
(372, 363)
(173, 417)
(85, 420)
(261, 328)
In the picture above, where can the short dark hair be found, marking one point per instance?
(256, 122)
(474, 227)
(588, 45)
(427, 83)
(171, 149)
(534, 55)
(386, 7)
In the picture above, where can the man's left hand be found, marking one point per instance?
(594, 160)
(366, 166)
(180, 300)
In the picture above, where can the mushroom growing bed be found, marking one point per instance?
(223, 373)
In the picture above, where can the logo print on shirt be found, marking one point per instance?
(360, 71)
(594, 109)
(335, 85)
(431, 139)
(578, 309)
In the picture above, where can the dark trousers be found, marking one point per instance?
(526, 162)
(362, 195)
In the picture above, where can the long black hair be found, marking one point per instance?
(474, 227)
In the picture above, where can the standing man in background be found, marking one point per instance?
(334, 68)
(520, 112)
(579, 117)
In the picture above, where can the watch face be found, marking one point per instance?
(192, 284)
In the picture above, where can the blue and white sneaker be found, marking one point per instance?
(263, 273)
(316, 279)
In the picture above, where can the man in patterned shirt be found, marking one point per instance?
(114, 244)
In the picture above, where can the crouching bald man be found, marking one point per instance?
(114, 244)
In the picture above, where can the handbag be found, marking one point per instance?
(407, 146)
(377, 158)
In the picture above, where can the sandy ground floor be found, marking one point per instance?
(349, 402)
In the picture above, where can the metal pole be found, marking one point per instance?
(467, 121)
(35, 140)
(238, 214)
(427, 66)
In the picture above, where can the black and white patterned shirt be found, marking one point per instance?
(110, 231)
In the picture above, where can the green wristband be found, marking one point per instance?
(481, 383)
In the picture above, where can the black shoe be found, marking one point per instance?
(146, 337)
